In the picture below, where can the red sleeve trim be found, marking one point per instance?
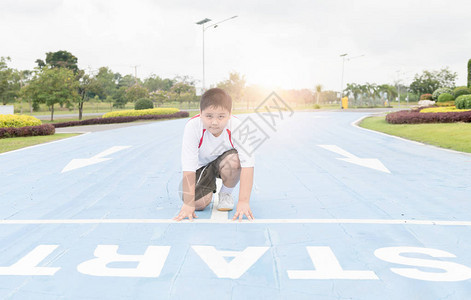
(197, 116)
(230, 139)
(201, 140)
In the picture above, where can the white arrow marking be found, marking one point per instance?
(100, 157)
(371, 163)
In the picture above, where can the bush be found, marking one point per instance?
(445, 97)
(18, 121)
(463, 102)
(144, 112)
(416, 117)
(143, 104)
(111, 120)
(426, 97)
(461, 90)
(440, 91)
(46, 129)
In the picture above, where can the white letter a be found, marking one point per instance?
(242, 261)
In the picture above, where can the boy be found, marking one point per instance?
(209, 150)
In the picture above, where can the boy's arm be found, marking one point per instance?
(188, 206)
(246, 183)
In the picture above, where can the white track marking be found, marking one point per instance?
(100, 157)
(371, 163)
(229, 221)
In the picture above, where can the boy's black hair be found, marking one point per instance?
(216, 97)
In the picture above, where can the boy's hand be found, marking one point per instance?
(187, 211)
(243, 208)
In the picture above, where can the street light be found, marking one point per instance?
(343, 68)
(202, 22)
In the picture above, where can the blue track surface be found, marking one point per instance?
(325, 228)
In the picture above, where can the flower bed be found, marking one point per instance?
(8, 132)
(111, 120)
(416, 117)
(142, 112)
(442, 109)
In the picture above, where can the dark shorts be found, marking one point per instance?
(206, 176)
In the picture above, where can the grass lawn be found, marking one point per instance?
(10, 144)
(456, 136)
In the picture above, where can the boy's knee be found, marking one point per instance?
(232, 161)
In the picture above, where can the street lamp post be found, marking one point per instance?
(202, 22)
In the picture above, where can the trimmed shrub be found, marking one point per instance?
(18, 121)
(445, 97)
(8, 132)
(461, 90)
(144, 112)
(415, 117)
(143, 104)
(426, 97)
(440, 91)
(112, 120)
(463, 102)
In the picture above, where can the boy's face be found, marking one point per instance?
(215, 119)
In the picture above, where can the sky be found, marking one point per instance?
(277, 44)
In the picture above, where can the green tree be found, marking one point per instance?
(88, 87)
(429, 81)
(127, 81)
(53, 86)
(469, 73)
(136, 92)
(106, 83)
(390, 91)
(9, 82)
(119, 97)
(234, 86)
(60, 59)
(184, 90)
(159, 97)
(155, 83)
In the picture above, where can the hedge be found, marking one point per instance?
(463, 102)
(445, 97)
(143, 103)
(461, 90)
(8, 132)
(416, 117)
(143, 112)
(18, 121)
(111, 120)
(440, 91)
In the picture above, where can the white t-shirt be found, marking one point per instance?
(200, 147)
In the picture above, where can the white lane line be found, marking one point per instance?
(229, 221)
